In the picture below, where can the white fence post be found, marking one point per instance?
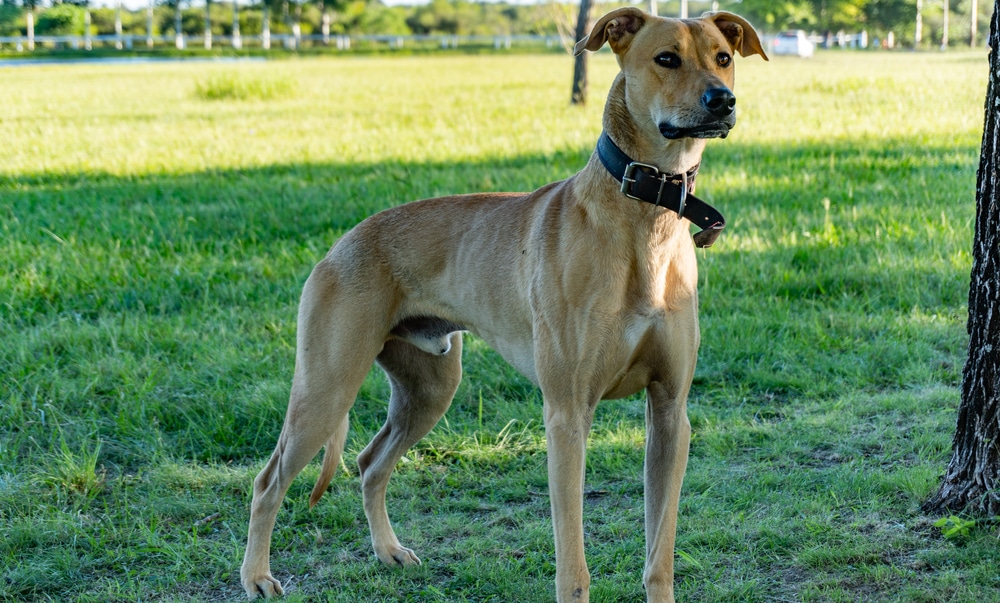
(944, 26)
(208, 26)
(87, 44)
(118, 25)
(31, 30)
(149, 24)
(265, 37)
(237, 39)
(178, 27)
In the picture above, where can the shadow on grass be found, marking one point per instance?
(164, 305)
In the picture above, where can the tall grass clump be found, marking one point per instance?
(241, 87)
(75, 473)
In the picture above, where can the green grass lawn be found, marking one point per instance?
(157, 223)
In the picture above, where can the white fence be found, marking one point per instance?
(339, 42)
(268, 41)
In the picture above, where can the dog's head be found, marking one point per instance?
(678, 72)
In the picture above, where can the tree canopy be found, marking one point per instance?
(878, 17)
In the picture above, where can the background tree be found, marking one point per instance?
(578, 95)
(836, 15)
(973, 474)
(896, 16)
(772, 16)
(61, 20)
(10, 18)
(169, 20)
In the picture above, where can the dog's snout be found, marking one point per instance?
(720, 102)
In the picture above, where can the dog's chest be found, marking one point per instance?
(638, 326)
(639, 335)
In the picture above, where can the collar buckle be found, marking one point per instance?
(629, 179)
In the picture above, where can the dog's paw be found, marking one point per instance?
(264, 585)
(397, 556)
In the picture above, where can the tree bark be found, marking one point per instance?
(970, 482)
(579, 94)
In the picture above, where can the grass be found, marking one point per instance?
(153, 244)
(228, 87)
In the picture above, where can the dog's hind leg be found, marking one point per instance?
(423, 386)
(338, 340)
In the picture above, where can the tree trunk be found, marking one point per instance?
(579, 95)
(970, 482)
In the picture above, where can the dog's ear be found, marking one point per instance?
(741, 35)
(616, 28)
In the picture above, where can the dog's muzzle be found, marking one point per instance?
(720, 106)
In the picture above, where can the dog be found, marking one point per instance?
(587, 286)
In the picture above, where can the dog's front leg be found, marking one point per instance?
(668, 435)
(567, 423)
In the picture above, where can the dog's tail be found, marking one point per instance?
(331, 460)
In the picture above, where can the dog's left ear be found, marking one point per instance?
(616, 28)
(741, 35)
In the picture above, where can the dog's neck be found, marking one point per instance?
(599, 194)
(646, 144)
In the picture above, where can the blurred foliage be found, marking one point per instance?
(465, 17)
(61, 20)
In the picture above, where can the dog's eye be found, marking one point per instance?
(668, 60)
(724, 59)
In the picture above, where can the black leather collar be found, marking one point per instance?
(647, 183)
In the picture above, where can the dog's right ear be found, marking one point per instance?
(738, 31)
(616, 28)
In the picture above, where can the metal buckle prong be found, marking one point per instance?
(628, 180)
(659, 193)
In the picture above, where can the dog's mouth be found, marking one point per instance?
(718, 129)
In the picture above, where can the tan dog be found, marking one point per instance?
(588, 292)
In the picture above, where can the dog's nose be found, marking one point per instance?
(720, 102)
